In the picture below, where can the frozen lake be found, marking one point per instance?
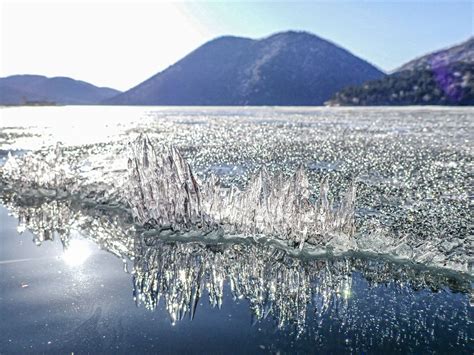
(84, 276)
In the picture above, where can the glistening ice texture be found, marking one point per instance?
(411, 166)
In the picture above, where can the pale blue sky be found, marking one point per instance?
(387, 33)
(120, 45)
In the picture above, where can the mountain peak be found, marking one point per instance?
(229, 38)
(293, 34)
(286, 68)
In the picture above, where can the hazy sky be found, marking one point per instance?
(120, 44)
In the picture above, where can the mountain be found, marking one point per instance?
(449, 85)
(289, 68)
(37, 89)
(463, 52)
(444, 77)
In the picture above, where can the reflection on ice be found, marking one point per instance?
(49, 218)
(305, 293)
(76, 252)
(293, 291)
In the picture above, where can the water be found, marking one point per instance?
(370, 250)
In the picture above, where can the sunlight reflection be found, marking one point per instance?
(76, 253)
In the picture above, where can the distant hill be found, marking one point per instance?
(444, 77)
(37, 89)
(450, 85)
(290, 68)
(461, 53)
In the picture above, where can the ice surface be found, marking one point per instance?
(274, 284)
(410, 168)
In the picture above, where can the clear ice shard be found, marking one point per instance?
(162, 188)
(163, 192)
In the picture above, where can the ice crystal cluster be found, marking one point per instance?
(61, 172)
(42, 170)
(162, 190)
(164, 193)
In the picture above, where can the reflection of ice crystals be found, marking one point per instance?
(46, 220)
(50, 218)
(272, 282)
(164, 192)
